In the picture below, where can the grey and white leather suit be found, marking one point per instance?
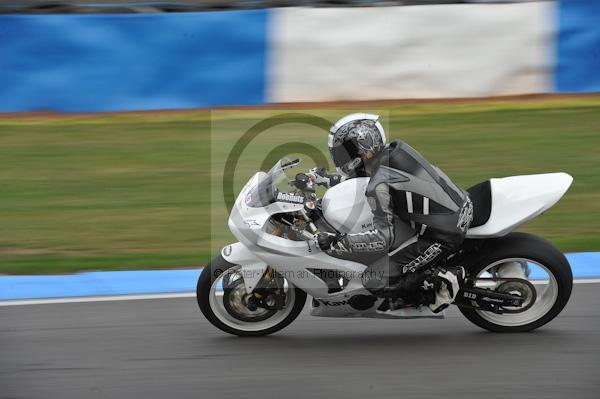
(406, 190)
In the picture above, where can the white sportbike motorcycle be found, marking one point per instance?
(514, 281)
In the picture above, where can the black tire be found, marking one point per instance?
(214, 269)
(521, 245)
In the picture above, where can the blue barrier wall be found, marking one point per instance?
(127, 62)
(578, 46)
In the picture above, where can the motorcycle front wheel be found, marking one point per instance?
(540, 262)
(223, 300)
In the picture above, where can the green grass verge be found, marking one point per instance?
(126, 191)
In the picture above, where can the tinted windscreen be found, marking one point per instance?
(263, 194)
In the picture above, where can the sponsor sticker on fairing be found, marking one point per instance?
(251, 223)
(285, 197)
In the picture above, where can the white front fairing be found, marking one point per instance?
(290, 258)
(518, 199)
(293, 259)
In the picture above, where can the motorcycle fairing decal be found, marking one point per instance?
(333, 303)
(252, 223)
(294, 199)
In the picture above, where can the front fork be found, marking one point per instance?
(269, 292)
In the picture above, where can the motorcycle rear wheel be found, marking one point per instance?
(553, 291)
(222, 298)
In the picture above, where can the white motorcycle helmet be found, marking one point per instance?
(352, 138)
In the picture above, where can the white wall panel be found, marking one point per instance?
(464, 50)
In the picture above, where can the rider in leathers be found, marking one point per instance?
(404, 189)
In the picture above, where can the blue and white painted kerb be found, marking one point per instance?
(157, 282)
(128, 62)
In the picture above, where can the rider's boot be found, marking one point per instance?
(446, 284)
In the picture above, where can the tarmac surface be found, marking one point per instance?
(164, 348)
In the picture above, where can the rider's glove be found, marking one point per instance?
(446, 283)
(326, 240)
(319, 176)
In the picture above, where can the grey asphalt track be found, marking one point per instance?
(165, 349)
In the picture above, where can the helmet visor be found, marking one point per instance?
(344, 152)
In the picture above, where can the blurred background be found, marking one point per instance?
(115, 116)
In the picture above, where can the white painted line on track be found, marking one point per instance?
(96, 299)
(587, 281)
(19, 302)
